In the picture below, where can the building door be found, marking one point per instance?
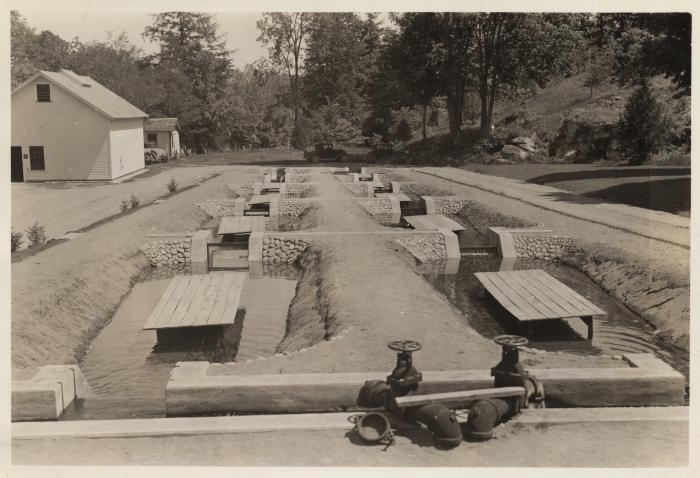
(16, 168)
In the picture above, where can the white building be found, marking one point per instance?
(69, 127)
(163, 133)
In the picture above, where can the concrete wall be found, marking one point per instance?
(425, 247)
(126, 146)
(532, 243)
(75, 137)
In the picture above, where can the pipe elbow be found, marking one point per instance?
(442, 424)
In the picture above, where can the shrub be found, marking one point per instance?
(642, 125)
(124, 205)
(172, 185)
(134, 201)
(36, 234)
(403, 131)
(15, 240)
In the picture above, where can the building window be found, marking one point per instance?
(36, 158)
(43, 93)
(152, 138)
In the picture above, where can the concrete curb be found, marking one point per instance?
(198, 252)
(192, 389)
(48, 393)
(155, 427)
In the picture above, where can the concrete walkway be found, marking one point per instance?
(658, 225)
(571, 438)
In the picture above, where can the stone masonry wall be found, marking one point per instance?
(449, 206)
(281, 250)
(292, 207)
(380, 209)
(299, 190)
(425, 247)
(295, 178)
(224, 207)
(167, 252)
(542, 246)
(358, 189)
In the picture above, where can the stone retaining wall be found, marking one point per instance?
(358, 189)
(406, 188)
(281, 250)
(381, 209)
(168, 252)
(299, 190)
(295, 178)
(292, 207)
(220, 208)
(542, 246)
(425, 247)
(448, 205)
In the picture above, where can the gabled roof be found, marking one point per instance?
(90, 92)
(161, 124)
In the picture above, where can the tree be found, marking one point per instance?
(284, 35)
(597, 70)
(443, 46)
(341, 56)
(189, 42)
(331, 126)
(642, 125)
(513, 48)
(22, 46)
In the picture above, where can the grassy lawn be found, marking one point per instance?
(662, 188)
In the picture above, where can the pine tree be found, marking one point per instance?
(642, 125)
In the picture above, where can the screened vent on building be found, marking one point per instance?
(43, 93)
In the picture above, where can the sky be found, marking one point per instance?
(238, 29)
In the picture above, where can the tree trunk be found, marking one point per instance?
(425, 115)
(485, 124)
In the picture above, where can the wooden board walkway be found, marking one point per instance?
(198, 300)
(433, 222)
(532, 295)
(242, 224)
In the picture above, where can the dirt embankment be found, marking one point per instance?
(62, 297)
(310, 319)
(659, 298)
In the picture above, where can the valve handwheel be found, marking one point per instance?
(511, 340)
(405, 345)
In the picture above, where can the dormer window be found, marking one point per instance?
(43, 93)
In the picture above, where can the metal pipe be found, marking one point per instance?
(485, 415)
(441, 422)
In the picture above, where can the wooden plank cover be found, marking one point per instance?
(241, 224)
(262, 198)
(198, 300)
(535, 295)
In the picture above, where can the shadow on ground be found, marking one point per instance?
(668, 195)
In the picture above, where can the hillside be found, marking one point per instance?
(564, 122)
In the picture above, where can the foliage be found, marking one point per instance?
(642, 126)
(403, 131)
(597, 70)
(331, 126)
(189, 41)
(36, 234)
(284, 35)
(15, 240)
(124, 205)
(134, 201)
(172, 185)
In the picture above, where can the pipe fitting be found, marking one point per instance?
(441, 422)
(374, 394)
(484, 416)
